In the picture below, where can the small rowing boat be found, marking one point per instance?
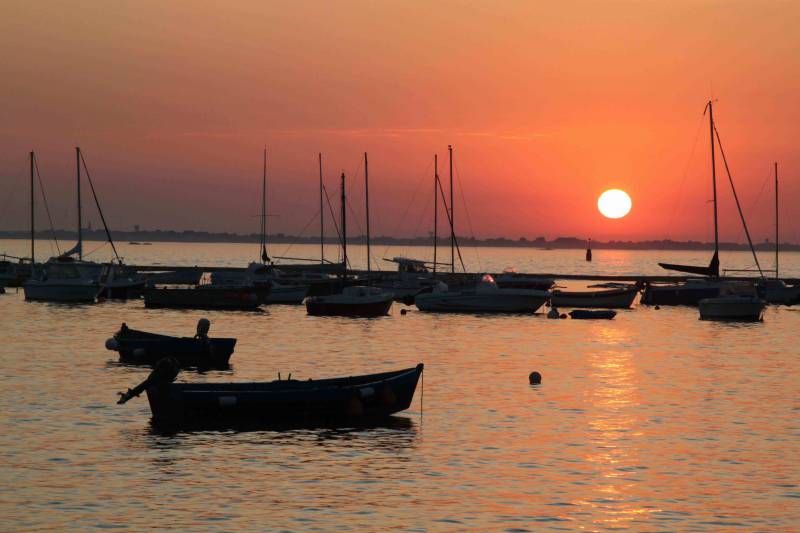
(143, 348)
(354, 398)
(618, 298)
(593, 314)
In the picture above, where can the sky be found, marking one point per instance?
(546, 105)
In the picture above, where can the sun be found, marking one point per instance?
(614, 203)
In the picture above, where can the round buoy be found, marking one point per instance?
(403, 311)
(657, 308)
(535, 378)
(553, 313)
(563, 316)
(111, 344)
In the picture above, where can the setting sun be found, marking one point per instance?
(614, 203)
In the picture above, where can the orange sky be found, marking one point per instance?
(546, 103)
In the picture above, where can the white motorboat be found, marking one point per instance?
(739, 307)
(266, 280)
(61, 282)
(412, 276)
(485, 297)
(617, 298)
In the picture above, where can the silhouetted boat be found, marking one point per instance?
(736, 307)
(592, 314)
(619, 298)
(201, 297)
(356, 301)
(141, 347)
(511, 279)
(346, 399)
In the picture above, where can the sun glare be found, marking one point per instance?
(614, 203)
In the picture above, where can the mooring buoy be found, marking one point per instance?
(535, 378)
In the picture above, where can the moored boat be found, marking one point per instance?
(592, 314)
(356, 301)
(619, 298)
(485, 297)
(141, 347)
(736, 307)
(347, 399)
(201, 297)
(61, 282)
(689, 292)
(511, 279)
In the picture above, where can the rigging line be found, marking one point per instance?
(450, 221)
(736, 197)
(46, 207)
(469, 219)
(333, 218)
(700, 123)
(99, 209)
(302, 232)
(423, 218)
(413, 197)
(96, 249)
(360, 229)
(754, 203)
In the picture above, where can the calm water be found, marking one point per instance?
(654, 421)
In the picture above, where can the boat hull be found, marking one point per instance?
(148, 349)
(57, 292)
(748, 310)
(207, 298)
(320, 307)
(473, 302)
(678, 294)
(611, 299)
(342, 399)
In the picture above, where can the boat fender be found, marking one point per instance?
(141, 353)
(535, 378)
(227, 401)
(657, 308)
(403, 312)
(553, 313)
(564, 315)
(112, 344)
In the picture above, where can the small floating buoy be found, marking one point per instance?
(657, 308)
(563, 315)
(553, 313)
(111, 344)
(535, 378)
(403, 311)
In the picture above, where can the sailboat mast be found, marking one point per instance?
(713, 175)
(264, 256)
(344, 230)
(321, 217)
(435, 207)
(366, 193)
(33, 232)
(777, 239)
(452, 216)
(78, 174)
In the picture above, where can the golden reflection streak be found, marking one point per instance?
(614, 424)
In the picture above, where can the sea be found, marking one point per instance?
(653, 421)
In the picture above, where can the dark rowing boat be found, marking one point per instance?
(202, 297)
(143, 348)
(593, 314)
(351, 399)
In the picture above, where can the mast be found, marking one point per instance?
(713, 176)
(777, 241)
(33, 232)
(321, 217)
(344, 230)
(264, 256)
(452, 216)
(435, 207)
(366, 192)
(78, 174)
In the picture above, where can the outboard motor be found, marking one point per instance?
(203, 325)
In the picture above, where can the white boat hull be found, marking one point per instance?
(286, 294)
(732, 308)
(61, 292)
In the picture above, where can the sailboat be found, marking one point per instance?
(263, 276)
(775, 290)
(63, 278)
(356, 300)
(695, 289)
(485, 296)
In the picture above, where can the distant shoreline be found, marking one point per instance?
(280, 238)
